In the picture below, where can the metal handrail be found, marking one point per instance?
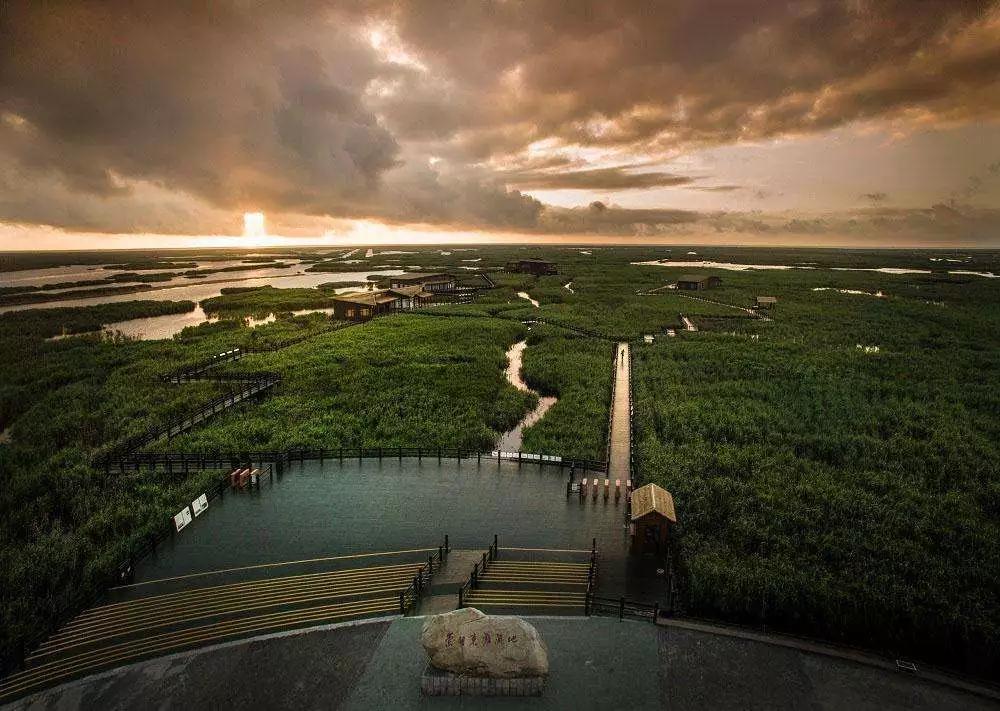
(136, 460)
(478, 568)
(410, 596)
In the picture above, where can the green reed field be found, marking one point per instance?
(835, 469)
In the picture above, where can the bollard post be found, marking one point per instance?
(460, 602)
(400, 454)
(586, 604)
(656, 611)
(420, 454)
(621, 609)
(447, 547)
(479, 457)
(402, 605)
(439, 455)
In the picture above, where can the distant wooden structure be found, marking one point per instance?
(362, 305)
(409, 297)
(694, 282)
(766, 302)
(652, 514)
(538, 267)
(433, 283)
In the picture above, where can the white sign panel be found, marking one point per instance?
(183, 518)
(199, 504)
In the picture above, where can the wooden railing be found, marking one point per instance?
(409, 597)
(478, 568)
(184, 461)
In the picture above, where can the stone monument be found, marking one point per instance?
(472, 653)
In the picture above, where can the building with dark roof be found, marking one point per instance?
(409, 297)
(362, 305)
(538, 267)
(434, 283)
(695, 282)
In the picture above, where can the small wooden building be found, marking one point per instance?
(538, 267)
(433, 283)
(694, 282)
(362, 305)
(409, 297)
(652, 514)
(766, 302)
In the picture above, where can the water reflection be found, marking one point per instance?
(201, 290)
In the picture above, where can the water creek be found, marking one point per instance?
(510, 441)
(525, 295)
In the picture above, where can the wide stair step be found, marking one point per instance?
(120, 633)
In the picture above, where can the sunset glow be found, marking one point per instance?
(764, 122)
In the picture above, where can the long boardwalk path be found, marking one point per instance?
(618, 463)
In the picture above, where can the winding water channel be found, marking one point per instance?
(510, 441)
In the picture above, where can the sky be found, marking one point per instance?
(806, 122)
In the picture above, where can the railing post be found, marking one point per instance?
(447, 546)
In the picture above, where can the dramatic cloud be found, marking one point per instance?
(616, 178)
(174, 116)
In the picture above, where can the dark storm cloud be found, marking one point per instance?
(716, 188)
(659, 75)
(595, 179)
(198, 98)
(121, 115)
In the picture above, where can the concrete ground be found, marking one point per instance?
(596, 663)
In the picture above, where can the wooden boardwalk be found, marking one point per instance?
(620, 436)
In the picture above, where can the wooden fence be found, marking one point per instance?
(185, 461)
(478, 568)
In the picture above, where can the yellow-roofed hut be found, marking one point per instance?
(652, 515)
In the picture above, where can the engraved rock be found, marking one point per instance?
(469, 642)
